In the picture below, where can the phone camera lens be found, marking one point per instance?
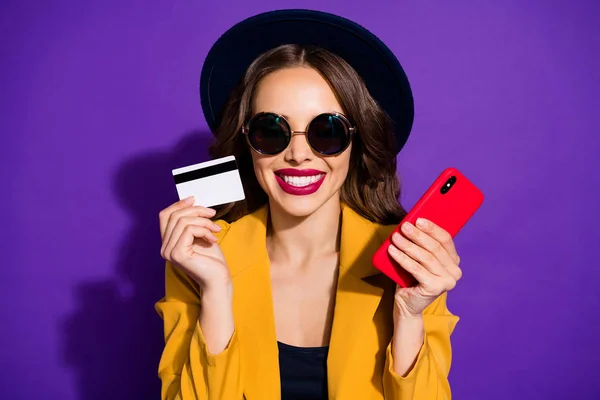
(448, 185)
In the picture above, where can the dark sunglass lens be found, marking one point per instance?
(328, 134)
(268, 134)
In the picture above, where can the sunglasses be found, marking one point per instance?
(328, 134)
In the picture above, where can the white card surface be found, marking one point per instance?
(213, 182)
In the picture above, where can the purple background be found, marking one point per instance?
(99, 102)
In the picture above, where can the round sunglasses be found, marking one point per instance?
(328, 134)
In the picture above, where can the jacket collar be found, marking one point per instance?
(359, 240)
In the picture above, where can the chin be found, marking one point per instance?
(300, 206)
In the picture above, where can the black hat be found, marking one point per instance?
(232, 54)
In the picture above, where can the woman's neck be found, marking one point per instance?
(296, 241)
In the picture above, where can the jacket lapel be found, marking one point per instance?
(356, 300)
(248, 260)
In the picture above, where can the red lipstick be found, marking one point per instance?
(299, 190)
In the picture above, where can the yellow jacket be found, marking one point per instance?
(359, 363)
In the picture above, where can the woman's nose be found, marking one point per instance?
(299, 150)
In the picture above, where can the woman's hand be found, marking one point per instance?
(189, 244)
(430, 256)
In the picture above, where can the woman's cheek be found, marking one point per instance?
(261, 177)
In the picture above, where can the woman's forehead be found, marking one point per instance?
(295, 93)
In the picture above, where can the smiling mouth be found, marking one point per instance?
(301, 181)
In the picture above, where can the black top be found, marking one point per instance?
(303, 372)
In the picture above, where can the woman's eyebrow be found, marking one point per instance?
(274, 112)
(314, 116)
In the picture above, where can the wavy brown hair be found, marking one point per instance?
(371, 188)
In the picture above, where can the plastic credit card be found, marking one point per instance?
(212, 183)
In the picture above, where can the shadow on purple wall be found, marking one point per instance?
(113, 341)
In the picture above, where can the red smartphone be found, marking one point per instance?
(449, 203)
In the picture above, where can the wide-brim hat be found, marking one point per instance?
(232, 54)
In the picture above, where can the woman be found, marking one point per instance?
(278, 297)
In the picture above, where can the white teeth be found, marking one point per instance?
(301, 180)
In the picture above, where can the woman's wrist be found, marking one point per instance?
(409, 335)
(216, 316)
(405, 316)
(409, 325)
(217, 290)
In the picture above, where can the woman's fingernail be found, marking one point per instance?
(217, 227)
(406, 227)
(422, 223)
(189, 200)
